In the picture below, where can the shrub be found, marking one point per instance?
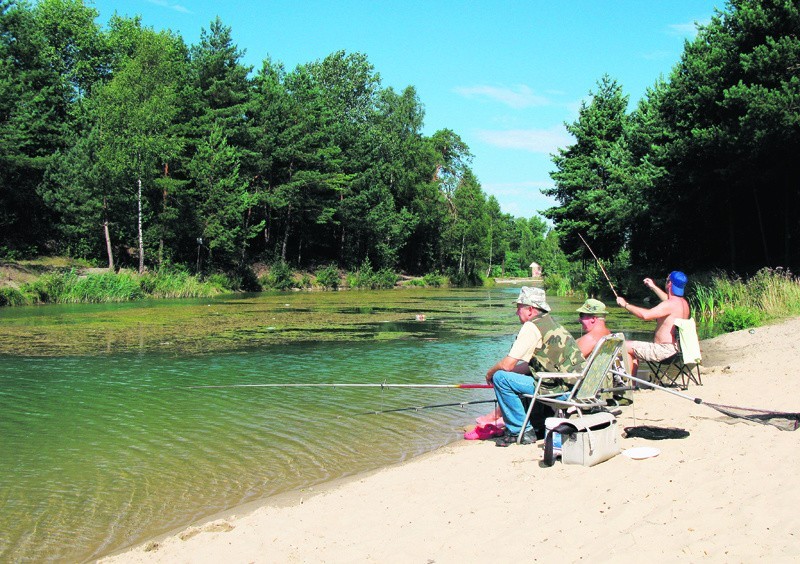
(222, 282)
(384, 279)
(737, 318)
(279, 277)
(558, 284)
(328, 277)
(434, 280)
(10, 296)
(465, 279)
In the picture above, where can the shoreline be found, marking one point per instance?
(717, 494)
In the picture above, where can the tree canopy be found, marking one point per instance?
(127, 145)
(702, 174)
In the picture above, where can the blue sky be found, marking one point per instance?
(504, 75)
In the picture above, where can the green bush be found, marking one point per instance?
(280, 277)
(558, 284)
(222, 282)
(12, 297)
(434, 280)
(362, 278)
(738, 318)
(328, 277)
(50, 288)
(465, 279)
(384, 279)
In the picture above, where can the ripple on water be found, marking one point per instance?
(102, 451)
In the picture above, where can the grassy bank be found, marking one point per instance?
(61, 281)
(734, 303)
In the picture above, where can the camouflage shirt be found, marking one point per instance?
(559, 351)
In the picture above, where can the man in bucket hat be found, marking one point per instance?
(542, 345)
(673, 306)
(593, 323)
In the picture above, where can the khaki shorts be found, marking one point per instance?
(653, 352)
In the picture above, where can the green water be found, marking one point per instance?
(104, 444)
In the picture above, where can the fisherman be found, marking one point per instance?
(592, 316)
(542, 345)
(673, 306)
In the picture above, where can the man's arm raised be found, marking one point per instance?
(657, 312)
(660, 294)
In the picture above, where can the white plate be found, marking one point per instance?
(639, 453)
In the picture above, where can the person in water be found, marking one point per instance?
(673, 306)
(542, 345)
(592, 316)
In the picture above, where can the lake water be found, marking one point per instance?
(104, 442)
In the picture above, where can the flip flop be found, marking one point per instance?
(483, 433)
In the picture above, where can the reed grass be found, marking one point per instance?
(736, 303)
(558, 284)
(72, 288)
(181, 285)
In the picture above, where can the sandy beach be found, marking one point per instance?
(725, 493)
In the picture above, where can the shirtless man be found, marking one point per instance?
(673, 306)
(593, 323)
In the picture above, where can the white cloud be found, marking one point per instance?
(166, 4)
(545, 141)
(521, 199)
(520, 97)
(687, 28)
(657, 55)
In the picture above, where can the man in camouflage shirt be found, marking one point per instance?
(542, 345)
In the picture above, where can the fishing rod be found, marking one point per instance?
(600, 264)
(421, 407)
(662, 388)
(330, 385)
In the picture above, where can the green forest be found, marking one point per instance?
(125, 146)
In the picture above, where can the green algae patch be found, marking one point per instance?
(241, 321)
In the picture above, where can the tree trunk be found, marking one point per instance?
(286, 233)
(107, 236)
(163, 215)
(244, 239)
(461, 258)
(141, 239)
(491, 246)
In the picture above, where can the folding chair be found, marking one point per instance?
(685, 364)
(586, 388)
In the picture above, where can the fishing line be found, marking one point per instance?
(467, 386)
(782, 420)
(419, 408)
